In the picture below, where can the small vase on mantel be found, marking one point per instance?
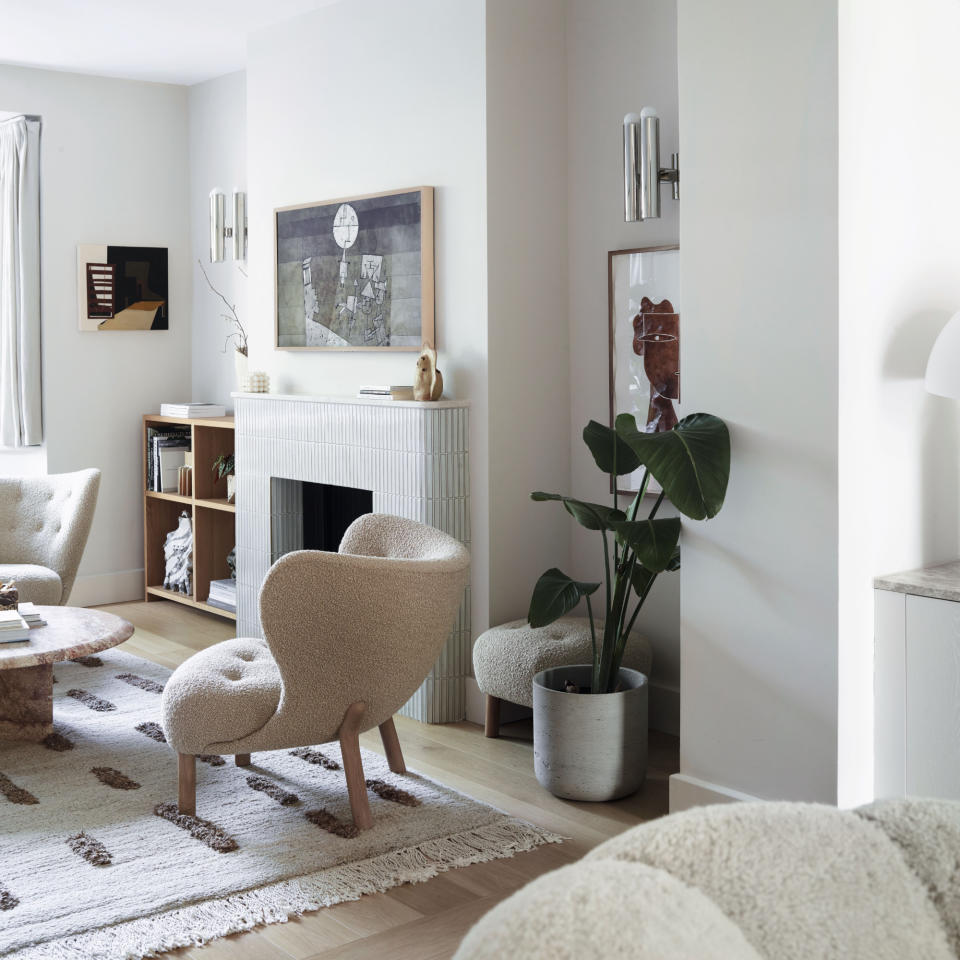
(240, 367)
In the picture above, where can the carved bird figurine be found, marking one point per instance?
(428, 383)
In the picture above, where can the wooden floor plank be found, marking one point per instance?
(422, 921)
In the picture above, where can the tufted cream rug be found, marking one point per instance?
(96, 863)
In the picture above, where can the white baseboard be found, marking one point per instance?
(475, 705)
(687, 792)
(664, 708)
(95, 589)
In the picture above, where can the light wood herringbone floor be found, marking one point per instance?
(418, 921)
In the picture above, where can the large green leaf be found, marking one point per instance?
(610, 452)
(642, 577)
(653, 540)
(555, 595)
(691, 461)
(593, 516)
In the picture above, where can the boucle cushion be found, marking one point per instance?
(220, 694)
(34, 583)
(506, 658)
(927, 832)
(800, 880)
(594, 911)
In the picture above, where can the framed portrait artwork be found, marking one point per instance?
(355, 273)
(644, 292)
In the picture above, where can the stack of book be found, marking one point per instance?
(223, 594)
(13, 627)
(399, 392)
(192, 411)
(31, 614)
(165, 456)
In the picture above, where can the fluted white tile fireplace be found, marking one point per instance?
(306, 466)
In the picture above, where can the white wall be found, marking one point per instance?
(114, 170)
(899, 250)
(218, 158)
(621, 56)
(529, 392)
(759, 251)
(409, 111)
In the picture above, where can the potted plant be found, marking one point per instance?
(223, 467)
(590, 720)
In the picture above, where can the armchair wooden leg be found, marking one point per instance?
(391, 744)
(353, 764)
(242, 759)
(491, 723)
(187, 783)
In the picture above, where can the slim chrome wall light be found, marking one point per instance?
(239, 225)
(219, 231)
(642, 173)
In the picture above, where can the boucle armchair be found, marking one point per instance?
(44, 524)
(349, 638)
(748, 881)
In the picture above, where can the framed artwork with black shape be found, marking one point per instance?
(644, 301)
(356, 273)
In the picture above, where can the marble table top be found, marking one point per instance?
(941, 581)
(70, 632)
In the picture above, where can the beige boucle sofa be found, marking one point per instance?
(350, 637)
(44, 524)
(748, 881)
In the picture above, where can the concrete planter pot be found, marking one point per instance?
(587, 746)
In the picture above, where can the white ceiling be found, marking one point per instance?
(173, 41)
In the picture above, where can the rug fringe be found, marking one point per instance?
(199, 923)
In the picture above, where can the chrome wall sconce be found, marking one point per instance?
(219, 231)
(642, 173)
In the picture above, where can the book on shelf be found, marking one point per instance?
(13, 627)
(174, 437)
(395, 392)
(171, 460)
(192, 411)
(29, 612)
(223, 594)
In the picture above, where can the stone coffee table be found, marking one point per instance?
(26, 667)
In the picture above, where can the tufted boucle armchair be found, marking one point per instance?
(349, 638)
(44, 524)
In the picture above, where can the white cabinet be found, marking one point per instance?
(917, 695)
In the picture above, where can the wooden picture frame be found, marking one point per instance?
(633, 275)
(355, 273)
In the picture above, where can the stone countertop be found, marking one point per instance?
(941, 581)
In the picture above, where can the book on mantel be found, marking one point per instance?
(399, 392)
(192, 411)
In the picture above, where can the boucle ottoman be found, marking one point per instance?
(506, 659)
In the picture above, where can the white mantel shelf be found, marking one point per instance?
(358, 401)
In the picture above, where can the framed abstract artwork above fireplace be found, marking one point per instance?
(355, 273)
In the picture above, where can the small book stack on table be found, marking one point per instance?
(13, 627)
(30, 613)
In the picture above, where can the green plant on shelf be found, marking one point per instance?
(223, 465)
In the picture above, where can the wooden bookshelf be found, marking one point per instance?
(212, 515)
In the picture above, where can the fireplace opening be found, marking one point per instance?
(312, 516)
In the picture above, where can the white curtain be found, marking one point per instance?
(20, 411)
